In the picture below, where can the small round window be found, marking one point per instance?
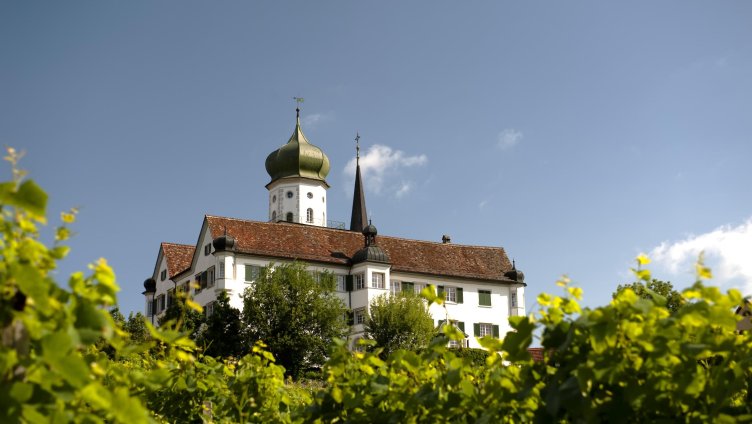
(310, 195)
(289, 195)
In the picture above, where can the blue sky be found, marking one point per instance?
(574, 134)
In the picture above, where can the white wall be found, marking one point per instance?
(300, 201)
(469, 311)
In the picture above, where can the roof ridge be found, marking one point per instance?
(291, 224)
(444, 244)
(177, 244)
(300, 225)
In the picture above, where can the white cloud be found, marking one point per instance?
(509, 138)
(728, 251)
(405, 188)
(482, 204)
(312, 120)
(381, 165)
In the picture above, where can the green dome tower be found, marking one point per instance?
(297, 190)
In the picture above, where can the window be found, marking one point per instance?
(484, 297)
(341, 282)
(451, 294)
(289, 216)
(359, 281)
(289, 195)
(252, 272)
(163, 275)
(274, 215)
(207, 249)
(209, 309)
(210, 277)
(160, 303)
(199, 287)
(395, 287)
(310, 195)
(221, 270)
(309, 215)
(274, 199)
(359, 316)
(170, 297)
(377, 280)
(483, 329)
(514, 299)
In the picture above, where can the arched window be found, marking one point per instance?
(274, 216)
(289, 216)
(309, 216)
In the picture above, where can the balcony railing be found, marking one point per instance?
(304, 220)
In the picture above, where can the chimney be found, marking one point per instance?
(446, 239)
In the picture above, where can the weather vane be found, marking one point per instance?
(298, 100)
(357, 145)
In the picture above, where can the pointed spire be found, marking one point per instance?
(359, 216)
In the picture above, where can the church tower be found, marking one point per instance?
(297, 191)
(359, 217)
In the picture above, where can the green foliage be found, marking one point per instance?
(65, 357)
(295, 315)
(47, 370)
(223, 336)
(183, 315)
(662, 291)
(477, 357)
(399, 321)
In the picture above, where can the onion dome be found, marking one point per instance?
(223, 243)
(514, 274)
(150, 286)
(298, 158)
(370, 252)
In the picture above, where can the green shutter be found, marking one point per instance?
(484, 298)
(476, 329)
(459, 295)
(349, 282)
(461, 326)
(350, 318)
(440, 291)
(408, 286)
(495, 331)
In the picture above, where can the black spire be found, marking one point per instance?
(359, 216)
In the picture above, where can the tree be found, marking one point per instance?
(222, 335)
(136, 327)
(400, 321)
(296, 316)
(181, 316)
(664, 288)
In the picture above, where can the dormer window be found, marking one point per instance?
(207, 250)
(163, 275)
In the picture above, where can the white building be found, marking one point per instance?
(482, 288)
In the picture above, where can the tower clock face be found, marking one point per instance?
(289, 195)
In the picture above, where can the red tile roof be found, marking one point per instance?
(309, 243)
(179, 257)
(536, 353)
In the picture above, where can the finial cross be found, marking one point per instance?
(357, 145)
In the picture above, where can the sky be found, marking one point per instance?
(576, 135)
